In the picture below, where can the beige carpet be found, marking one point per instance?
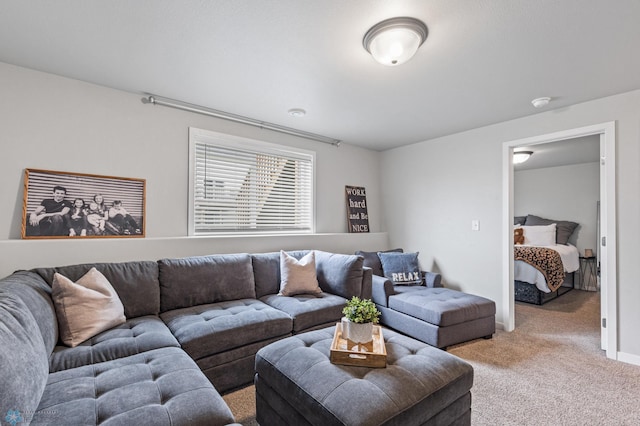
(549, 371)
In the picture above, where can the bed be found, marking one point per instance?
(545, 265)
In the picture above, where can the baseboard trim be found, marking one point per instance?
(628, 358)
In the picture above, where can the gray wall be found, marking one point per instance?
(449, 181)
(562, 193)
(60, 124)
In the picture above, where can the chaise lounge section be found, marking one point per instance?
(435, 315)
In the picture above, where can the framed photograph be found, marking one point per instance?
(78, 205)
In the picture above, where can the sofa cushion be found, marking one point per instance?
(200, 280)
(371, 260)
(135, 282)
(298, 276)
(266, 271)
(340, 274)
(442, 306)
(401, 268)
(24, 359)
(308, 311)
(205, 330)
(135, 336)
(86, 307)
(159, 387)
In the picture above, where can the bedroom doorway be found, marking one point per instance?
(607, 236)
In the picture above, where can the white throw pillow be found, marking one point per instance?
(86, 307)
(298, 276)
(540, 235)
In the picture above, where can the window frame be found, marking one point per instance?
(197, 135)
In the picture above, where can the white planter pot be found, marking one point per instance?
(357, 333)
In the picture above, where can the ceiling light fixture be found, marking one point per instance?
(521, 156)
(394, 41)
(541, 102)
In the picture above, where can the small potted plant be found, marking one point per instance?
(359, 317)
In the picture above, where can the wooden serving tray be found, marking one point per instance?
(346, 352)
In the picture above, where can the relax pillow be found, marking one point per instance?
(401, 268)
(86, 307)
(540, 235)
(564, 228)
(298, 276)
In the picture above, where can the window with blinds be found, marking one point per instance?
(244, 186)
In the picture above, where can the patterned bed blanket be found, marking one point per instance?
(545, 260)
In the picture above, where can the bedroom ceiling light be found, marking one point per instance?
(521, 156)
(394, 41)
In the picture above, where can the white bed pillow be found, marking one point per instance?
(540, 235)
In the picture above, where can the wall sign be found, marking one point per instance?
(357, 215)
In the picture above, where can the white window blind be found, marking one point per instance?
(243, 186)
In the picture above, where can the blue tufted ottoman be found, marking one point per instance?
(421, 385)
(438, 316)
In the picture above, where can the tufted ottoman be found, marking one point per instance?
(439, 316)
(421, 385)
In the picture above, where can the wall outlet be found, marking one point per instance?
(475, 225)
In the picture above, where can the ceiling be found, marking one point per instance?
(482, 63)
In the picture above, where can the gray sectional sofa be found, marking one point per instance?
(438, 316)
(193, 327)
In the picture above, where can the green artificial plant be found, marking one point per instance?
(361, 311)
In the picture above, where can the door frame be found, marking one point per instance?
(608, 273)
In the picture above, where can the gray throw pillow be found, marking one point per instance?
(564, 228)
(401, 268)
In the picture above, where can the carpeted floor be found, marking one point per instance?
(549, 371)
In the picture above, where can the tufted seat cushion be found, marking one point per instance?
(134, 336)
(308, 311)
(442, 306)
(213, 328)
(297, 384)
(159, 387)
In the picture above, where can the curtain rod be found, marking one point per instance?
(159, 100)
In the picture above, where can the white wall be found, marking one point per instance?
(451, 180)
(562, 193)
(55, 123)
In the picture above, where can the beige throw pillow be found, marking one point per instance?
(86, 307)
(298, 276)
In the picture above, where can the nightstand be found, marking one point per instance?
(588, 273)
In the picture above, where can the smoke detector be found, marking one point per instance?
(541, 102)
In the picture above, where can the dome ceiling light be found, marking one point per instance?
(394, 41)
(521, 156)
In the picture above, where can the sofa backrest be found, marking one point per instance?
(199, 280)
(28, 332)
(135, 282)
(340, 274)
